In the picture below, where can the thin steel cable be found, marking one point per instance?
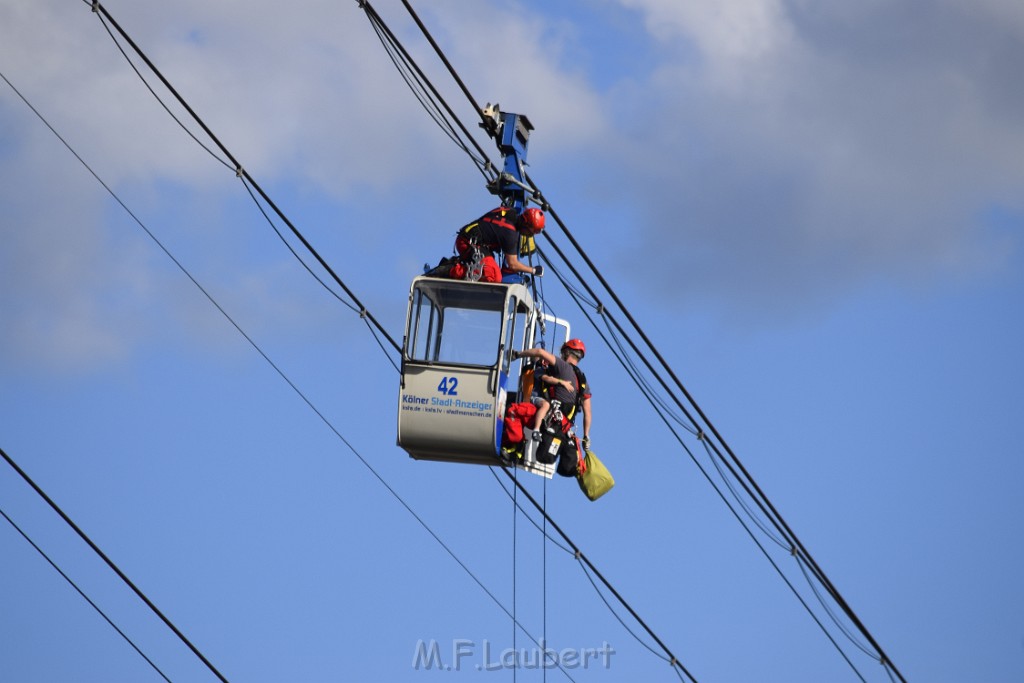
(579, 555)
(80, 592)
(828, 610)
(117, 570)
(415, 80)
(544, 573)
(240, 170)
(287, 244)
(732, 509)
(450, 119)
(611, 609)
(515, 518)
(742, 475)
(163, 104)
(539, 528)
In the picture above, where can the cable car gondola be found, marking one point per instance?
(458, 372)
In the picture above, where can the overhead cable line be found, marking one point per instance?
(744, 477)
(428, 96)
(240, 171)
(714, 440)
(110, 563)
(80, 592)
(578, 554)
(659, 410)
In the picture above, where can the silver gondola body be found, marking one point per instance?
(457, 370)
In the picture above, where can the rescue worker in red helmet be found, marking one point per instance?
(496, 231)
(565, 382)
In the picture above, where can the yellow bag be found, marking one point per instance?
(595, 480)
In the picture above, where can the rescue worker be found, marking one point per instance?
(497, 231)
(566, 383)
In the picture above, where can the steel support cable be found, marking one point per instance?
(240, 171)
(724, 498)
(486, 123)
(651, 395)
(80, 592)
(419, 85)
(167, 109)
(630, 631)
(373, 331)
(712, 451)
(654, 373)
(832, 615)
(376, 20)
(287, 244)
(117, 570)
(657, 402)
(544, 572)
(515, 562)
(760, 497)
(582, 557)
(448, 65)
(527, 514)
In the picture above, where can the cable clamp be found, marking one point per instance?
(700, 435)
(673, 662)
(239, 171)
(578, 555)
(600, 309)
(95, 6)
(793, 550)
(363, 314)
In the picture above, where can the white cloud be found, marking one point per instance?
(842, 144)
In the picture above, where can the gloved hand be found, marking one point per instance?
(516, 355)
(538, 271)
(586, 443)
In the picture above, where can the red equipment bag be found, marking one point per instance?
(517, 416)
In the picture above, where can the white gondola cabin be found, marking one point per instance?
(457, 368)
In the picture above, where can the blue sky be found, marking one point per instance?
(814, 211)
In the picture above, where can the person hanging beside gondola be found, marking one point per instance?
(566, 388)
(496, 232)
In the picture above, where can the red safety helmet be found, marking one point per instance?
(575, 345)
(532, 220)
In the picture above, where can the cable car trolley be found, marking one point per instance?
(457, 370)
